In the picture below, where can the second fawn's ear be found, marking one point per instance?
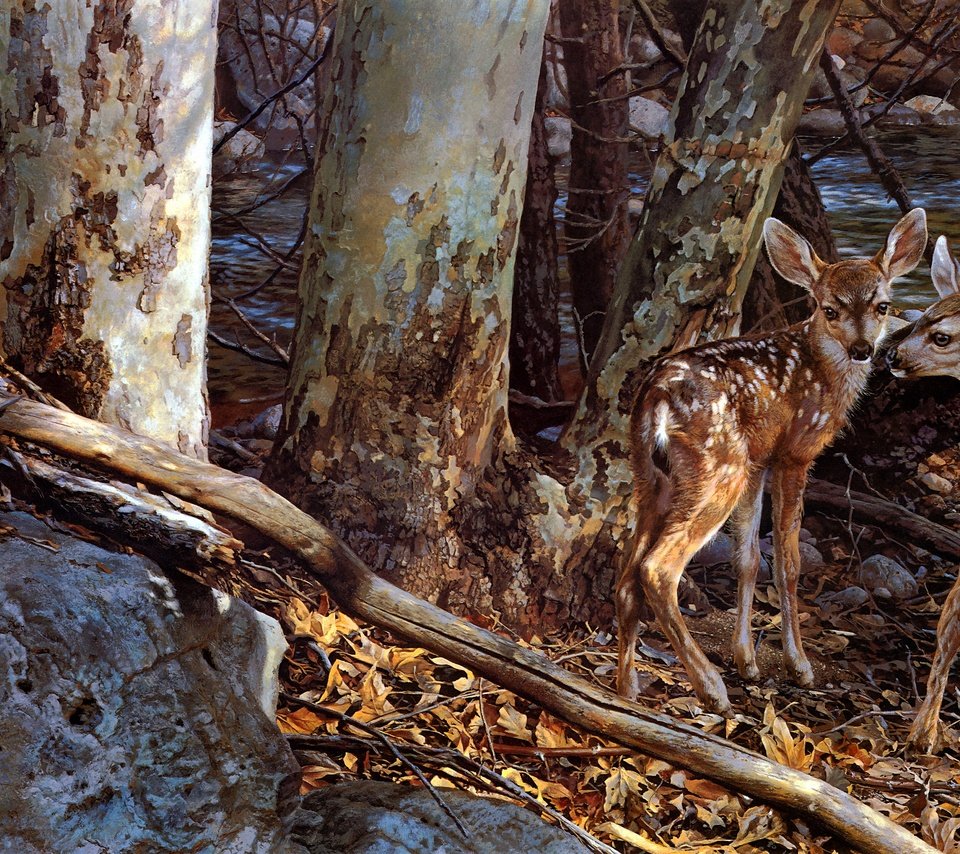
(792, 257)
(943, 270)
(905, 245)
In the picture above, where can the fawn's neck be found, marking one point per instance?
(833, 366)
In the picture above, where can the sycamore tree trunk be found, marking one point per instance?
(596, 228)
(104, 207)
(395, 427)
(396, 402)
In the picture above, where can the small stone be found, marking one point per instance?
(926, 434)
(878, 30)
(936, 460)
(810, 558)
(648, 118)
(888, 578)
(936, 483)
(848, 598)
(718, 550)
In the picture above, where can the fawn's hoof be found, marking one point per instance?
(713, 694)
(628, 685)
(925, 736)
(749, 671)
(802, 673)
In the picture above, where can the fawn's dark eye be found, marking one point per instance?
(941, 339)
(830, 313)
(883, 308)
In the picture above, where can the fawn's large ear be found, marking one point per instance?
(792, 257)
(943, 270)
(905, 245)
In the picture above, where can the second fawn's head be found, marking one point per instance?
(853, 295)
(931, 346)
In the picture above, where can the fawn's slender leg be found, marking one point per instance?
(628, 599)
(925, 732)
(660, 573)
(687, 526)
(788, 482)
(745, 525)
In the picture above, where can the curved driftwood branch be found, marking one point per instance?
(363, 594)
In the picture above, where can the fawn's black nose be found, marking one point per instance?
(893, 358)
(860, 351)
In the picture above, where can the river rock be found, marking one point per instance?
(718, 550)
(559, 134)
(929, 105)
(241, 153)
(842, 42)
(137, 706)
(822, 122)
(388, 818)
(898, 116)
(810, 557)
(843, 600)
(887, 578)
(267, 424)
(936, 483)
(878, 30)
(648, 118)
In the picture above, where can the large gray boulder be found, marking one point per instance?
(136, 707)
(385, 818)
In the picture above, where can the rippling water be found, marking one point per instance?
(859, 210)
(862, 215)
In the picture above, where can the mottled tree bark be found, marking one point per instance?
(104, 207)
(395, 429)
(397, 395)
(715, 180)
(596, 228)
(535, 332)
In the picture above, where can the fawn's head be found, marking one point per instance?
(852, 295)
(931, 346)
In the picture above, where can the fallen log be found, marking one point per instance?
(363, 594)
(153, 524)
(886, 514)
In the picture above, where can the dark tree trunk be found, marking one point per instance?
(596, 229)
(772, 302)
(535, 333)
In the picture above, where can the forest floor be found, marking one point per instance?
(870, 650)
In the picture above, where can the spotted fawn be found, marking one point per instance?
(931, 347)
(710, 422)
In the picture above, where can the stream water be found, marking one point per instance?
(859, 210)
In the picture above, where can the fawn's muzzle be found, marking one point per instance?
(860, 351)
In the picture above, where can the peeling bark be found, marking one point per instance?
(396, 401)
(105, 188)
